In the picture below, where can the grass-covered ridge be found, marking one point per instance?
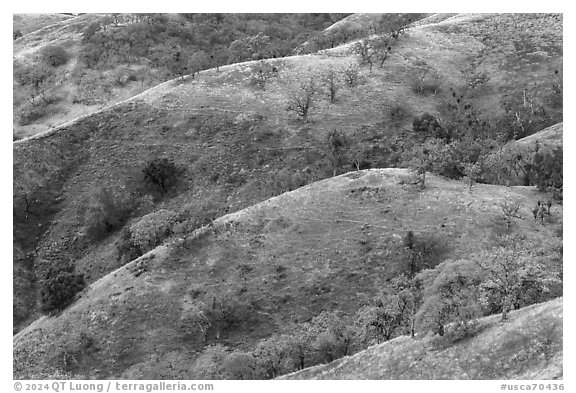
(527, 347)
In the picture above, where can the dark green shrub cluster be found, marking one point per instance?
(547, 170)
(54, 56)
(161, 175)
(37, 109)
(59, 286)
(398, 112)
(106, 212)
(428, 126)
(127, 248)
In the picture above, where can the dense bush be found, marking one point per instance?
(428, 125)
(397, 112)
(152, 229)
(161, 175)
(547, 170)
(32, 112)
(59, 286)
(450, 296)
(127, 249)
(106, 212)
(54, 55)
(198, 214)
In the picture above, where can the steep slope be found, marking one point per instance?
(529, 346)
(329, 245)
(237, 143)
(27, 23)
(61, 87)
(515, 160)
(547, 138)
(100, 59)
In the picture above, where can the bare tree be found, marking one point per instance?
(330, 82)
(301, 100)
(351, 74)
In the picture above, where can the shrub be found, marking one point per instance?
(428, 82)
(210, 363)
(547, 170)
(32, 112)
(92, 89)
(161, 174)
(123, 75)
(127, 249)
(59, 286)
(240, 365)
(450, 296)
(106, 212)
(397, 112)
(198, 214)
(338, 145)
(54, 55)
(427, 124)
(16, 34)
(153, 228)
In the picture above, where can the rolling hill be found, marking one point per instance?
(326, 246)
(528, 347)
(287, 238)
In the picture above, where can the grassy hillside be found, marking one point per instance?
(528, 347)
(511, 164)
(327, 246)
(111, 57)
(27, 23)
(237, 142)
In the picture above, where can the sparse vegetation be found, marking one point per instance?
(426, 82)
(236, 285)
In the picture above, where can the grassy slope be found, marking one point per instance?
(338, 240)
(548, 137)
(232, 157)
(68, 34)
(529, 346)
(210, 126)
(28, 23)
